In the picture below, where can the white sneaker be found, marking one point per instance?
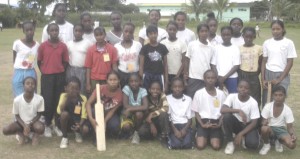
(57, 131)
(135, 138)
(47, 132)
(278, 146)
(42, 119)
(78, 137)
(64, 143)
(229, 148)
(265, 149)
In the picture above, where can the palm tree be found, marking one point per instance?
(199, 6)
(222, 6)
(279, 6)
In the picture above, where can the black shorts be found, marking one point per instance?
(209, 133)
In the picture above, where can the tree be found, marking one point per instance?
(279, 6)
(198, 7)
(259, 9)
(39, 5)
(222, 6)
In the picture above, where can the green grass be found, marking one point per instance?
(49, 148)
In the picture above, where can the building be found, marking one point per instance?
(241, 10)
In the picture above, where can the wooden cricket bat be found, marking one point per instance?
(269, 92)
(99, 115)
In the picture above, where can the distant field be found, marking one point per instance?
(49, 148)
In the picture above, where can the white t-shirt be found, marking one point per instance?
(201, 57)
(179, 109)
(217, 40)
(238, 41)
(208, 106)
(26, 56)
(77, 52)
(90, 37)
(28, 111)
(250, 107)
(284, 118)
(176, 50)
(161, 35)
(186, 35)
(225, 58)
(129, 58)
(113, 38)
(278, 51)
(65, 32)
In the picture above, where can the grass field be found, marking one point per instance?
(49, 148)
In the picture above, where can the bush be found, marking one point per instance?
(8, 17)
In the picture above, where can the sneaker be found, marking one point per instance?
(57, 131)
(278, 146)
(64, 143)
(42, 119)
(78, 137)
(229, 148)
(135, 138)
(20, 138)
(265, 149)
(47, 132)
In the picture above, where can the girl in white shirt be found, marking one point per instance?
(180, 117)
(24, 57)
(277, 120)
(213, 38)
(184, 34)
(278, 56)
(237, 26)
(207, 103)
(88, 26)
(128, 54)
(227, 61)
(154, 17)
(65, 28)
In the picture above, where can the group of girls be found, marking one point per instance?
(154, 87)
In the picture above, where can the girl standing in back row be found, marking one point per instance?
(65, 28)
(278, 56)
(24, 56)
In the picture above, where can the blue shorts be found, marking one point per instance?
(279, 132)
(18, 77)
(231, 85)
(148, 78)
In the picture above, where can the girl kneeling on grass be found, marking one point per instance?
(180, 117)
(157, 118)
(111, 97)
(207, 103)
(27, 109)
(72, 112)
(135, 104)
(278, 121)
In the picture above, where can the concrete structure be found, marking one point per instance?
(241, 10)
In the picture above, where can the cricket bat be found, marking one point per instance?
(100, 129)
(269, 92)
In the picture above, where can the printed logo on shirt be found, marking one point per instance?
(129, 57)
(155, 56)
(108, 102)
(28, 60)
